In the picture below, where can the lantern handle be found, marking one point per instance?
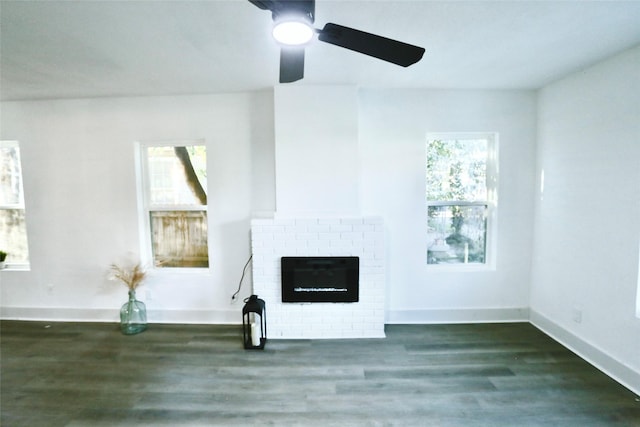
(251, 298)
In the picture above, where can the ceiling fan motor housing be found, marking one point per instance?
(293, 9)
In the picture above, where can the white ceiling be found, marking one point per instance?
(70, 49)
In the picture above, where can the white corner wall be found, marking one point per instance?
(585, 269)
(393, 129)
(80, 187)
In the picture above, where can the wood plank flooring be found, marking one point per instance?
(86, 374)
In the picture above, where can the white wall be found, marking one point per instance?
(79, 176)
(393, 128)
(316, 131)
(316, 134)
(585, 273)
(82, 213)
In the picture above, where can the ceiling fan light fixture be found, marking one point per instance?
(293, 29)
(293, 32)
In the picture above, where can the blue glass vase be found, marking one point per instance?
(133, 316)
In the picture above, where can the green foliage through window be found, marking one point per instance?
(457, 170)
(457, 200)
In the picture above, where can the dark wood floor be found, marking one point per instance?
(78, 374)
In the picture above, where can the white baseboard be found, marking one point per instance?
(487, 315)
(59, 314)
(595, 356)
(208, 317)
(235, 316)
(231, 317)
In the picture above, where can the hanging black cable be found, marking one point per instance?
(244, 271)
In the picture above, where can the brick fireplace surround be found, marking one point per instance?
(272, 239)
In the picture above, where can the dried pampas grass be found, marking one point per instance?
(132, 277)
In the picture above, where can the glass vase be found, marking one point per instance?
(133, 316)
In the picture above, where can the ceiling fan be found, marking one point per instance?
(293, 20)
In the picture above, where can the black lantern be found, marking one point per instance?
(254, 323)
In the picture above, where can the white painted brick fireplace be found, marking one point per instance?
(271, 239)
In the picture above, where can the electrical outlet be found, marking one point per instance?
(577, 315)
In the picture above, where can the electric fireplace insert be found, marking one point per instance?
(320, 279)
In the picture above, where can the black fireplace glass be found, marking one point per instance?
(320, 279)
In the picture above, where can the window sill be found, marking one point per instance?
(460, 268)
(16, 268)
(169, 271)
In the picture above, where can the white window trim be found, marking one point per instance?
(491, 202)
(20, 205)
(638, 287)
(143, 193)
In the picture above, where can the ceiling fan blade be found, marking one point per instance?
(379, 47)
(291, 64)
(264, 4)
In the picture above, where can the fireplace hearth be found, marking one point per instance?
(320, 279)
(356, 239)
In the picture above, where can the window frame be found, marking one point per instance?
(26, 266)
(145, 208)
(491, 202)
(638, 285)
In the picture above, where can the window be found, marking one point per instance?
(461, 198)
(13, 227)
(174, 213)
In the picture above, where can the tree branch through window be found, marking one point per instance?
(190, 174)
